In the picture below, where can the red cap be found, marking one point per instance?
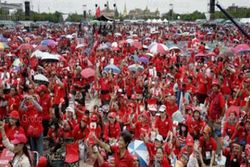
(19, 138)
(189, 141)
(215, 82)
(94, 118)
(112, 115)
(14, 115)
(42, 88)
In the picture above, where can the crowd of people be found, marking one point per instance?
(183, 89)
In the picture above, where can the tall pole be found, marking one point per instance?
(234, 22)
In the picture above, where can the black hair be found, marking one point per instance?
(127, 137)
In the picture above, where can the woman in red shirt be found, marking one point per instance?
(229, 125)
(13, 127)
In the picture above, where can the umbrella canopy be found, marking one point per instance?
(41, 77)
(139, 149)
(3, 39)
(17, 63)
(112, 68)
(158, 48)
(134, 57)
(175, 49)
(43, 48)
(143, 60)
(25, 46)
(50, 57)
(88, 72)
(3, 46)
(135, 67)
(48, 42)
(241, 48)
(80, 46)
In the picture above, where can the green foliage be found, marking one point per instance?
(74, 17)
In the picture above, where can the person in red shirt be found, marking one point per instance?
(196, 125)
(45, 102)
(142, 126)
(233, 155)
(13, 127)
(160, 159)
(229, 125)
(163, 123)
(152, 146)
(81, 130)
(120, 155)
(207, 147)
(112, 129)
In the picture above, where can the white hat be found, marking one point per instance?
(159, 137)
(162, 108)
(152, 107)
(70, 109)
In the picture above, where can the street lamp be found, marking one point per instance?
(84, 11)
(171, 11)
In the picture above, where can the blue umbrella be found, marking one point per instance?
(139, 149)
(135, 67)
(48, 42)
(134, 57)
(3, 39)
(112, 68)
(143, 60)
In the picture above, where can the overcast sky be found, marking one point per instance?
(180, 6)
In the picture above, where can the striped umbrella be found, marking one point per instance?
(139, 149)
(157, 48)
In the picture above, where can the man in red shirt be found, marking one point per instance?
(207, 147)
(45, 102)
(163, 124)
(121, 156)
(111, 129)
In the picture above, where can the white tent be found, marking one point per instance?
(149, 21)
(154, 21)
(165, 21)
(159, 21)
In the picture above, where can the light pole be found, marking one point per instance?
(84, 12)
(171, 11)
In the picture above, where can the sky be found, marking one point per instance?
(77, 6)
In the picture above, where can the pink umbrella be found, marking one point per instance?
(157, 48)
(88, 72)
(241, 48)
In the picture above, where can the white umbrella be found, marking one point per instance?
(41, 77)
(37, 53)
(80, 46)
(139, 149)
(50, 57)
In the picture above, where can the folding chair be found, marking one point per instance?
(72, 155)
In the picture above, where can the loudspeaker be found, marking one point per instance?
(212, 6)
(27, 8)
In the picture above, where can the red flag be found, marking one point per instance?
(98, 12)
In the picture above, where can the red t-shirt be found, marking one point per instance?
(45, 102)
(111, 131)
(209, 145)
(126, 161)
(217, 104)
(163, 126)
(80, 133)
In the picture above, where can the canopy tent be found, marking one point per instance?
(104, 18)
